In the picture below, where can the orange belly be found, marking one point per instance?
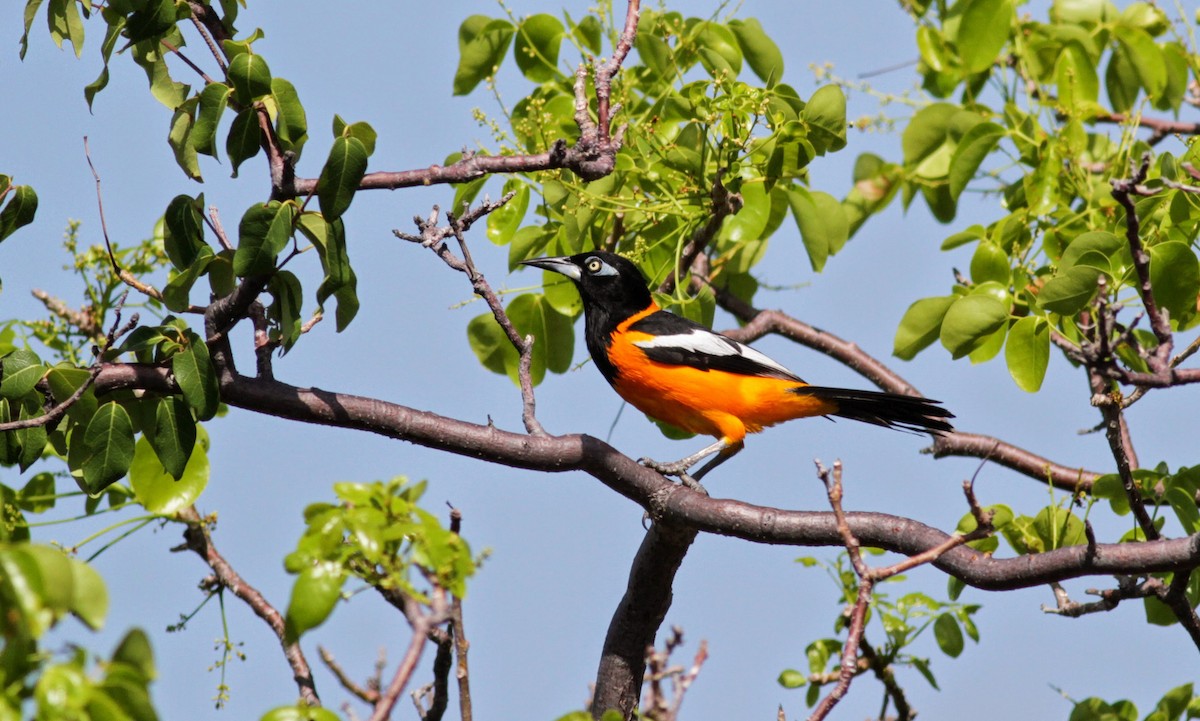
(714, 403)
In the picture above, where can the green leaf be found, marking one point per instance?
(1146, 58)
(990, 263)
(64, 381)
(66, 24)
(502, 223)
(160, 491)
(948, 635)
(791, 678)
(303, 713)
(490, 345)
(1183, 503)
(1176, 59)
(982, 32)
(822, 221)
(1114, 250)
(360, 130)
(286, 307)
(933, 48)
(561, 294)
(536, 48)
(153, 19)
(344, 169)
(589, 32)
(89, 595)
(972, 149)
(1121, 79)
(183, 230)
(108, 441)
(340, 281)
(176, 293)
(482, 43)
(263, 233)
(213, 100)
(135, 651)
(21, 369)
(761, 52)
(291, 122)
(920, 326)
(243, 141)
(1175, 278)
(314, 595)
(719, 51)
(18, 211)
(33, 439)
(1027, 352)
(174, 435)
(1058, 528)
(825, 116)
(528, 242)
(169, 92)
(38, 495)
(1075, 75)
(179, 138)
(969, 321)
(553, 334)
(197, 378)
(250, 76)
(31, 8)
(1069, 292)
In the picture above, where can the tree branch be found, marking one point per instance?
(1160, 128)
(759, 323)
(198, 539)
(639, 616)
(665, 500)
(433, 237)
(592, 156)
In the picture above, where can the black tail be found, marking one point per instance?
(910, 413)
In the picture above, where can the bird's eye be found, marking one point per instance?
(594, 265)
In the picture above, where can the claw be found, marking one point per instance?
(677, 469)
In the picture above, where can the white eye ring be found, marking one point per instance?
(595, 266)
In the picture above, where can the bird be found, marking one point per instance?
(679, 372)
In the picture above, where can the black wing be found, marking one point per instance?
(679, 341)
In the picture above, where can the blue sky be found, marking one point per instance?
(561, 543)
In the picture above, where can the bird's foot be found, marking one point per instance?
(678, 469)
(675, 468)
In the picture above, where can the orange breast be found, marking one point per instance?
(709, 402)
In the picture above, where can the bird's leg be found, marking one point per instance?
(729, 451)
(723, 448)
(676, 468)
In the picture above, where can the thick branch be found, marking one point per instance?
(638, 617)
(666, 501)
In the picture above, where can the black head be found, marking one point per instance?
(611, 286)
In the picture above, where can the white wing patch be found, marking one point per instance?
(705, 342)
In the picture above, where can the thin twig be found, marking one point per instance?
(125, 276)
(363, 693)
(1121, 191)
(56, 412)
(198, 540)
(433, 236)
(422, 622)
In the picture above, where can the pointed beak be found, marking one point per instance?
(558, 265)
